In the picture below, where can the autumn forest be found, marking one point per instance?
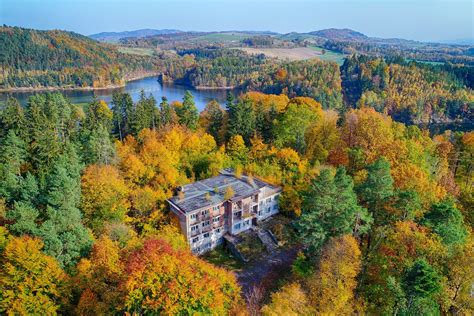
(376, 212)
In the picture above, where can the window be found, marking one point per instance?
(194, 216)
(197, 249)
(215, 208)
(268, 209)
(205, 223)
(208, 245)
(275, 207)
(216, 219)
(237, 226)
(218, 230)
(268, 200)
(195, 240)
(206, 235)
(194, 228)
(205, 212)
(247, 222)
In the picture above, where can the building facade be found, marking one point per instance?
(225, 204)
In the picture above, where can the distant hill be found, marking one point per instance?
(461, 41)
(340, 34)
(114, 37)
(35, 59)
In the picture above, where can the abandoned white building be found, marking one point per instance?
(210, 208)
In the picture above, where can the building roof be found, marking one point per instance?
(211, 191)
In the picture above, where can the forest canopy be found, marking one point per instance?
(381, 211)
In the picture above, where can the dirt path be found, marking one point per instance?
(256, 272)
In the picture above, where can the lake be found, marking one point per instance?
(150, 85)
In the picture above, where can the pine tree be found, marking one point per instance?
(241, 120)
(64, 235)
(330, 209)
(146, 113)
(421, 283)
(166, 112)
(376, 191)
(212, 119)
(12, 117)
(447, 222)
(12, 156)
(123, 114)
(188, 114)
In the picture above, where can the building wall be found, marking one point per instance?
(268, 206)
(222, 219)
(211, 226)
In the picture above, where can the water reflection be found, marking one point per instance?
(150, 85)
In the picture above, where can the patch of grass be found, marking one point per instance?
(136, 51)
(330, 55)
(427, 62)
(250, 245)
(220, 37)
(282, 227)
(221, 257)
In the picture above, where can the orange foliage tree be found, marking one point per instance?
(158, 282)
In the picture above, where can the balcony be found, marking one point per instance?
(206, 228)
(195, 232)
(218, 224)
(204, 217)
(247, 215)
(237, 216)
(220, 211)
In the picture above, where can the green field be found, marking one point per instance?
(222, 37)
(426, 62)
(330, 55)
(137, 51)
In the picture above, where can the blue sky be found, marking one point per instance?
(411, 19)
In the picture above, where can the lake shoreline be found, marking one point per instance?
(109, 87)
(214, 88)
(53, 89)
(149, 84)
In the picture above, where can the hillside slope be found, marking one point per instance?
(114, 37)
(340, 34)
(36, 59)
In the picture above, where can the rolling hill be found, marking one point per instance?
(340, 34)
(36, 59)
(114, 37)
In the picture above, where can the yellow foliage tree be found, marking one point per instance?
(291, 300)
(104, 196)
(333, 284)
(460, 279)
(31, 283)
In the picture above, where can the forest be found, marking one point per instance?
(409, 92)
(381, 211)
(41, 59)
